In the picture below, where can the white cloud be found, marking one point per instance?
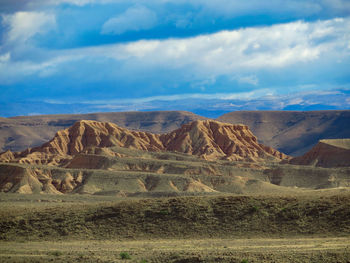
(141, 48)
(200, 96)
(133, 19)
(5, 57)
(252, 48)
(24, 25)
(11, 71)
(230, 53)
(258, 99)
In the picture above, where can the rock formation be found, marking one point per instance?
(22, 132)
(208, 139)
(326, 153)
(215, 140)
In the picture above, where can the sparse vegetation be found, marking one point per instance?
(164, 212)
(255, 209)
(124, 255)
(56, 253)
(194, 217)
(209, 250)
(189, 215)
(283, 209)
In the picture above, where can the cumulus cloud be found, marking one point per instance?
(236, 54)
(153, 48)
(24, 25)
(5, 57)
(251, 48)
(133, 19)
(10, 71)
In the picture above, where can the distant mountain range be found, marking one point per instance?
(291, 132)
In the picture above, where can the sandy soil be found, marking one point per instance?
(202, 250)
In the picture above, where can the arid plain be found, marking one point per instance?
(176, 187)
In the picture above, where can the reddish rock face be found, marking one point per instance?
(326, 153)
(208, 139)
(215, 140)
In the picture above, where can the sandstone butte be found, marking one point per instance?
(207, 139)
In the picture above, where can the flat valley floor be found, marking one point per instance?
(181, 250)
(311, 227)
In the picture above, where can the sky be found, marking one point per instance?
(208, 57)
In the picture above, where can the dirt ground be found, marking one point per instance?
(241, 229)
(175, 250)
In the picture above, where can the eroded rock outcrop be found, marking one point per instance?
(215, 140)
(208, 139)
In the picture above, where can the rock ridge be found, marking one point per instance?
(208, 139)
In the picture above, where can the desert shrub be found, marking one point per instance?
(164, 212)
(254, 209)
(56, 253)
(244, 261)
(124, 255)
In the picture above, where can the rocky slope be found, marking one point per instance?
(293, 132)
(102, 158)
(19, 133)
(207, 139)
(326, 153)
(215, 140)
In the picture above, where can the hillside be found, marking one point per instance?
(183, 218)
(201, 157)
(111, 151)
(19, 133)
(293, 132)
(290, 132)
(207, 139)
(326, 153)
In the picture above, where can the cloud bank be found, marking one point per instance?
(237, 54)
(118, 50)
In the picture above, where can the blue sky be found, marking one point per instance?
(209, 57)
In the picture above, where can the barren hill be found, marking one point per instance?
(102, 158)
(19, 133)
(207, 139)
(326, 153)
(208, 157)
(216, 140)
(293, 132)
